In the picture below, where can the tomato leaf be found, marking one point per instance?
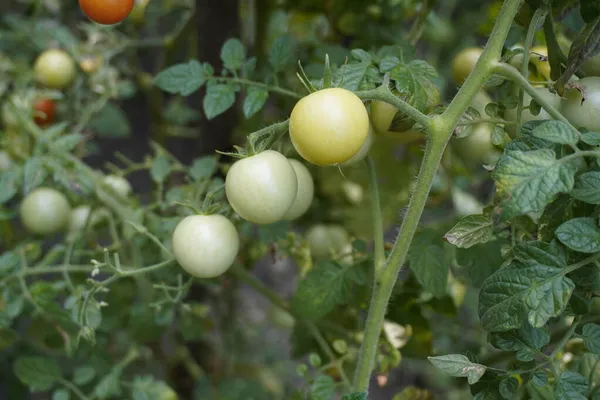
(417, 82)
(233, 54)
(556, 132)
(459, 366)
(254, 101)
(83, 375)
(38, 373)
(587, 188)
(428, 263)
(571, 386)
(580, 234)
(203, 167)
(9, 184)
(527, 181)
(281, 53)
(591, 138)
(219, 98)
(508, 387)
(34, 174)
(323, 388)
(526, 342)
(471, 230)
(183, 79)
(161, 168)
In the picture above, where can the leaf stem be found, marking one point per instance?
(378, 239)
(566, 337)
(69, 385)
(248, 82)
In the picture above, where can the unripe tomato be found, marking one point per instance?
(118, 184)
(382, 115)
(464, 62)
(106, 12)
(526, 115)
(45, 211)
(5, 161)
(80, 215)
(542, 66)
(90, 64)
(262, 188)
(583, 114)
(477, 147)
(55, 69)
(44, 110)
(363, 152)
(329, 126)
(326, 239)
(305, 193)
(205, 245)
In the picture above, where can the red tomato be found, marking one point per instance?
(106, 12)
(44, 111)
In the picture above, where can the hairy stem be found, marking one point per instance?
(378, 241)
(440, 130)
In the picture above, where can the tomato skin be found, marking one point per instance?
(305, 193)
(526, 115)
(382, 115)
(44, 211)
(55, 69)
(464, 62)
(363, 152)
(205, 245)
(325, 239)
(586, 115)
(262, 188)
(329, 126)
(106, 12)
(118, 184)
(44, 111)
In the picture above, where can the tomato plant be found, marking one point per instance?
(348, 200)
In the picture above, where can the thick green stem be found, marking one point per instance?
(538, 17)
(378, 242)
(440, 130)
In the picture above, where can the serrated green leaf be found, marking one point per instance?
(110, 122)
(591, 337)
(540, 378)
(416, 81)
(34, 174)
(183, 79)
(525, 342)
(355, 76)
(589, 366)
(282, 52)
(591, 138)
(233, 54)
(428, 263)
(68, 142)
(460, 366)
(254, 101)
(556, 132)
(388, 63)
(83, 375)
(587, 188)
(323, 388)
(571, 386)
(470, 230)
(203, 167)
(218, 99)
(326, 285)
(523, 292)
(544, 253)
(508, 387)
(161, 168)
(580, 234)
(527, 181)
(38, 373)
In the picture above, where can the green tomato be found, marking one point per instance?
(44, 211)
(324, 240)
(205, 245)
(363, 152)
(329, 126)
(583, 114)
(464, 62)
(262, 188)
(526, 115)
(305, 193)
(118, 184)
(55, 69)
(382, 115)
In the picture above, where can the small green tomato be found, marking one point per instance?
(324, 240)
(55, 69)
(305, 193)
(45, 211)
(205, 245)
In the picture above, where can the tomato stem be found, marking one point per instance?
(377, 219)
